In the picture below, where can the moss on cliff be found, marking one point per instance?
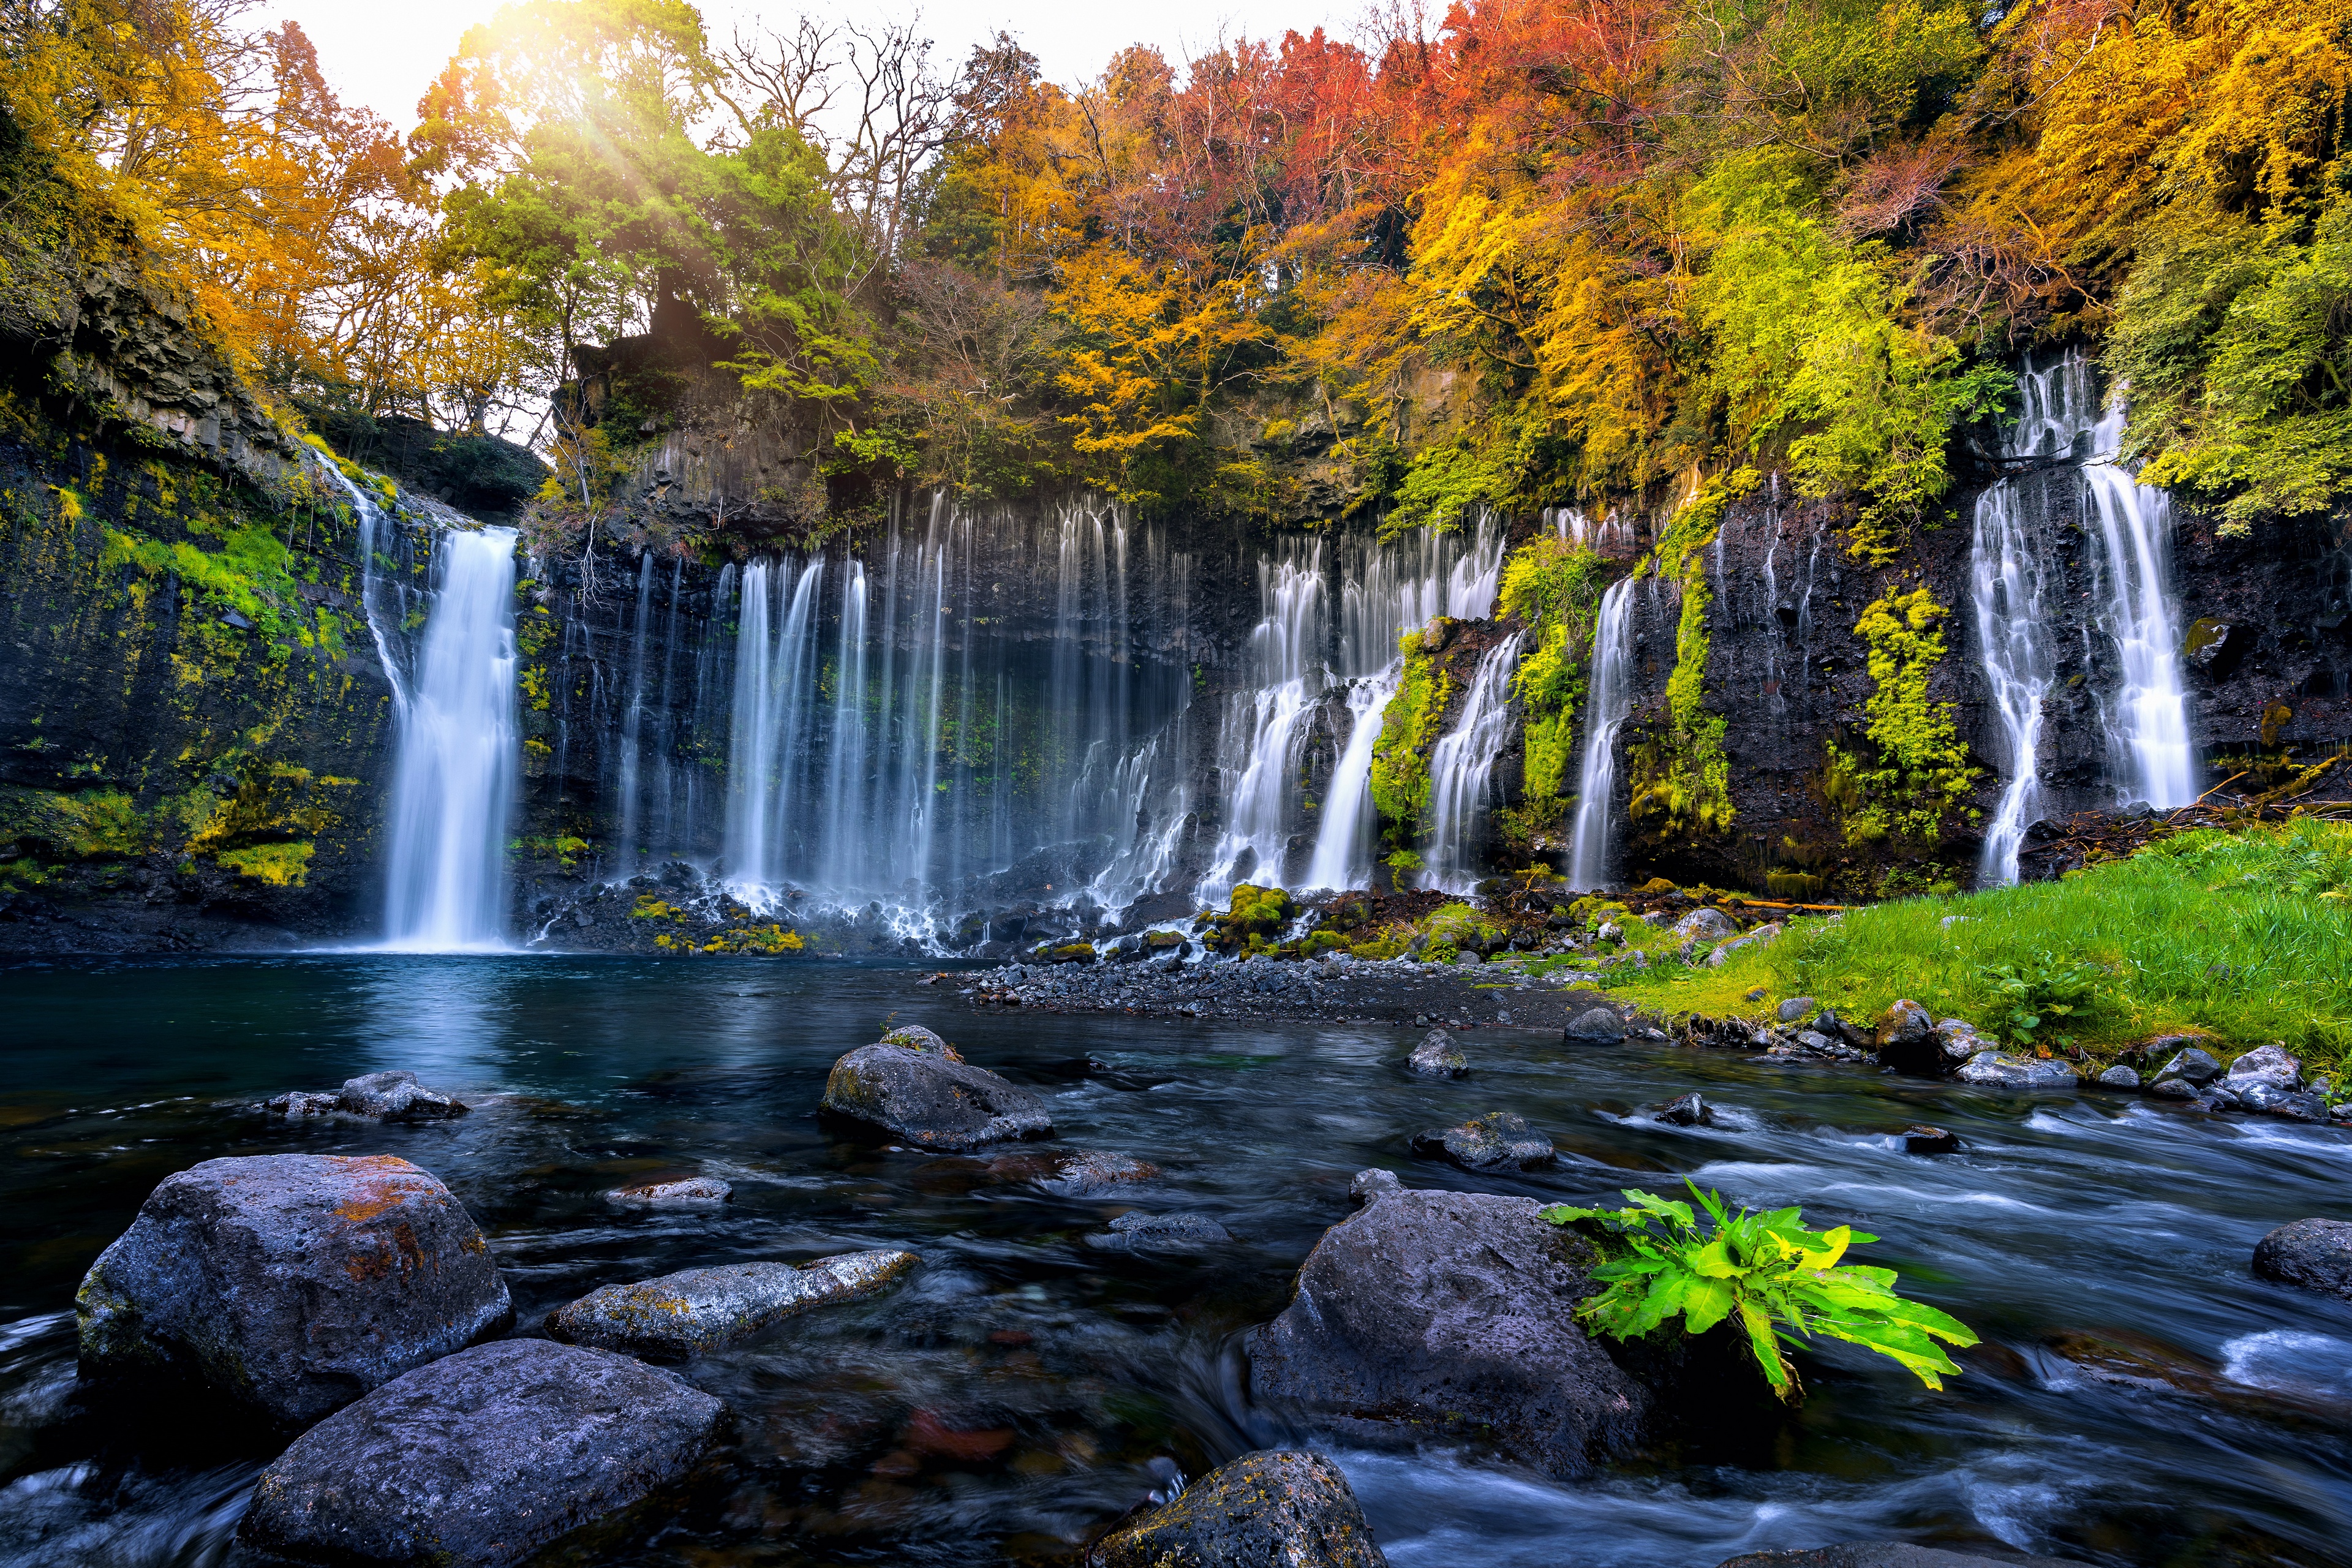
(1913, 770)
(1555, 588)
(1681, 783)
(1409, 729)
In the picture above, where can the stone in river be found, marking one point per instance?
(676, 1190)
(1906, 1040)
(2313, 1254)
(293, 1283)
(1135, 1232)
(1594, 1025)
(1991, 1070)
(1261, 1510)
(396, 1096)
(1091, 1170)
(1498, 1141)
(1689, 1110)
(1925, 1140)
(709, 1308)
(1371, 1186)
(2118, 1076)
(483, 1458)
(924, 1096)
(1450, 1316)
(916, 1038)
(1888, 1554)
(302, 1103)
(1438, 1057)
(2194, 1067)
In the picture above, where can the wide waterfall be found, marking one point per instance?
(453, 787)
(1297, 656)
(896, 743)
(1461, 767)
(1606, 710)
(2017, 569)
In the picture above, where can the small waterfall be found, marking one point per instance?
(2151, 724)
(1461, 766)
(1609, 701)
(1259, 749)
(453, 789)
(1344, 841)
(2008, 571)
(633, 724)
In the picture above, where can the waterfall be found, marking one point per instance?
(1611, 701)
(1343, 842)
(454, 786)
(633, 722)
(1461, 766)
(1258, 748)
(2016, 575)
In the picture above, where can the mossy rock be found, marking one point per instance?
(1072, 952)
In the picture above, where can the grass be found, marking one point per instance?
(2247, 937)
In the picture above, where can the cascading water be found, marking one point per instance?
(1461, 767)
(2017, 573)
(453, 788)
(1262, 726)
(1611, 702)
(1343, 842)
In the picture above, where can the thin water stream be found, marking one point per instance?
(1027, 1386)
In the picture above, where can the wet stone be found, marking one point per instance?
(396, 1096)
(1371, 1186)
(2193, 1067)
(1924, 1140)
(1161, 1233)
(483, 1458)
(1594, 1025)
(2118, 1076)
(921, 1097)
(1498, 1141)
(1991, 1070)
(1261, 1510)
(675, 1193)
(2310, 1254)
(301, 1103)
(701, 1309)
(1439, 1056)
(1090, 1171)
(1689, 1110)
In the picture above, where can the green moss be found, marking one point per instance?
(1409, 729)
(1914, 770)
(1681, 779)
(93, 825)
(1555, 588)
(280, 865)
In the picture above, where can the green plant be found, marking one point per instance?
(1780, 1281)
(2041, 991)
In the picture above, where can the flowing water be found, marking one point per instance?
(1343, 840)
(1027, 1387)
(1612, 700)
(1461, 768)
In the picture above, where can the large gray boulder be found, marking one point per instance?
(1995, 1069)
(293, 1283)
(483, 1458)
(701, 1309)
(2265, 1067)
(1704, 925)
(929, 1097)
(1449, 1317)
(1266, 1509)
(2314, 1254)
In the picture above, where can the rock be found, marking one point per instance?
(2118, 1076)
(1498, 1141)
(294, 1283)
(2193, 1065)
(1610, 931)
(1991, 1070)
(914, 1038)
(305, 1102)
(2312, 1253)
(1256, 1511)
(702, 1309)
(1466, 957)
(1922, 1139)
(1689, 1110)
(1704, 925)
(2173, 1088)
(1438, 1057)
(1906, 1040)
(397, 1096)
(2299, 1107)
(1450, 1316)
(1594, 1025)
(2268, 1066)
(1134, 1232)
(1794, 1009)
(678, 1190)
(1887, 1554)
(1828, 1022)
(1090, 1171)
(483, 1458)
(1371, 1186)
(927, 1100)
(1820, 1043)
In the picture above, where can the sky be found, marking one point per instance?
(383, 56)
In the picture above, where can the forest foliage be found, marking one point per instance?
(1528, 253)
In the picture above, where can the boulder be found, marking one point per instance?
(2194, 1067)
(1134, 1232)
(1689, 1110)
(301, 1103)
(293, 1283)
(2313, 1254)
(1887, 1554)
(1996, 1070)
(927, 1097)
(2118, 1076)
(1906, 1040)
(2297, 1107)
(1450, 1316)
(1922, 1139)
(2173, 1088)
(702, 1309)
(1794, 1009)
(914, 1038)
(1704, 925)
(1594, 1025)
(2268, 1066)
(1256, 1511)
(1371, 1186)
(396, 1096)
(1090, 1171)
(1956, 1041)
(677, 1192)
(1438, 1057)
(1827, 1022)
(483, 1458)
(1498, 1141)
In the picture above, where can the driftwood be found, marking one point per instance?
(2088, 837)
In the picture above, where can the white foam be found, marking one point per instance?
(2290, 1361)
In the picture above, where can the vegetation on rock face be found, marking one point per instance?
(1681, 780)
(1915, 770)
(1409, 728)
(1778, 1283)
(1555, 588)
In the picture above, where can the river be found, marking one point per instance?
(1028, 1386)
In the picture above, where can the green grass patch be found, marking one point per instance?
(2244, 936)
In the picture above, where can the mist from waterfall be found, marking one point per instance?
(1610, 702)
